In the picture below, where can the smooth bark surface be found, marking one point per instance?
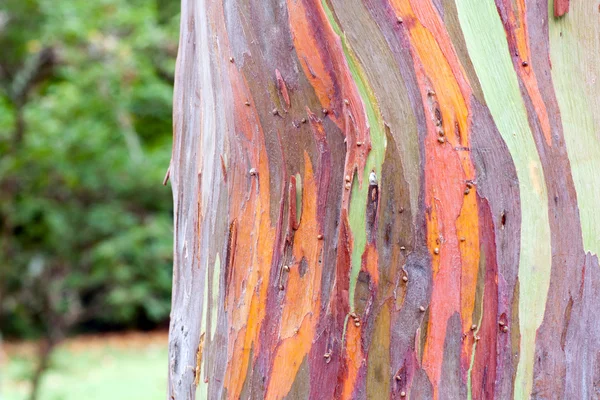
(386, 199)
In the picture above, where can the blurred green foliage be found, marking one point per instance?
(85, 140)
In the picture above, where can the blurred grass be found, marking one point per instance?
(131, 366)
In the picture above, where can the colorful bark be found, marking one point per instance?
(385, 199)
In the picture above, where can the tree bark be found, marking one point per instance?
(386, 199)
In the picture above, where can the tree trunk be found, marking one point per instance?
(386, 199)
(45, 350)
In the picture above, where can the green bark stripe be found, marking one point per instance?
(358, 203)
(214, 301)
(202, 389)
(477, 316)
(574, 49)
(487, 46)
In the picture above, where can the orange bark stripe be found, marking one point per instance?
(354, 359)
(246, 298)
(302, 297)
(322, 57)
(307, 46)
(452, 214)
(517, 28)
(354, 356)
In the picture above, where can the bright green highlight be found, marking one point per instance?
(358, 202)
(482, 268)
(575, 74)
(215, 295)
(488, 49)
(202, 389)
(298, 197)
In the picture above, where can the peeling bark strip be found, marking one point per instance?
(561, 7)
(386, 199)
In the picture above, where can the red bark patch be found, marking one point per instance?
(561, 7)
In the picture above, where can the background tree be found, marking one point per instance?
(386, 198)
(85, 122)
